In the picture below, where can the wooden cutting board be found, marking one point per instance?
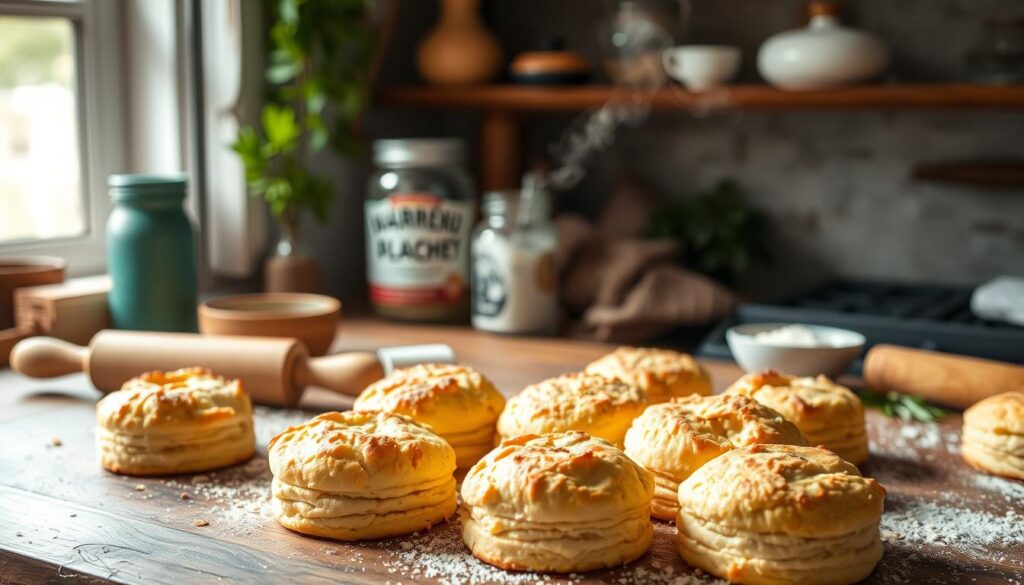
(61, 515)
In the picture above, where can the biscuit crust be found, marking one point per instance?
(674, 439)
(599, 406)
(771, 514)
(993, 435)
(560, 502)
(360, 475)
(184, 421)
(662, 374)
(459, 403)
(826, 413)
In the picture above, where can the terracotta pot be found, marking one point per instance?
(21, 272)
(460, 50)
(312, 319)
(299, 274)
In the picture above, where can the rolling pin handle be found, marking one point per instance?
(346, 373)
(48, 357)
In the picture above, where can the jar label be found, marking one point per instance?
(416, 248)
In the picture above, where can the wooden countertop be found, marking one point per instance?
(62, 516)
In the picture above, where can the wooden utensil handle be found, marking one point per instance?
(950, 380)
(48, 357)
(347, 373)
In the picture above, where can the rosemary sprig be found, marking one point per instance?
(906, 406)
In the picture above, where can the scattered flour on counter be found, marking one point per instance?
(915, 523)
(1011, 490)
(441, 555)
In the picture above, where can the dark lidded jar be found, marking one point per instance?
(151, 255)
(419, 212)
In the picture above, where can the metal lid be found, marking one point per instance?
(407, 152)
(131, 186)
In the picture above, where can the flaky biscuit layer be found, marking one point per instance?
(661, 373)
(817, 406)
(360, 452)
(598, 406)
(174, 422)
(674, 439)
(452, 399)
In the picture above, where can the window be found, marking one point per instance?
(61, 130)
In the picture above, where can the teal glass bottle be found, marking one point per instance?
(151, 254)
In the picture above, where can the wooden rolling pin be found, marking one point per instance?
(951, 380)
(274, 370)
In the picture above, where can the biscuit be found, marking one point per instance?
(360, 475)
(661, 373)
(460, 404)
(674, 439)
(771, 514)
(560, 502)
(183, 421)
(601, 407)
(993, 435)
(826, 413)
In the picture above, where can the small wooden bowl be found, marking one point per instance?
(313, 319)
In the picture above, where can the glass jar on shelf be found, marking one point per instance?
(514, 281)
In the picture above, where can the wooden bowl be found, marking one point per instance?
(313, 319)
(22, 272)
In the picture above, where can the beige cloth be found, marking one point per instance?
(626, 288)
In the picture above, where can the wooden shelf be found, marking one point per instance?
(518, 98)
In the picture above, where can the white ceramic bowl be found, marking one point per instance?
(701, 67)
(754, 355)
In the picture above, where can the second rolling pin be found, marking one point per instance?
(274, 370)
(949, 380)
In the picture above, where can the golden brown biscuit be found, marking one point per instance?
(599, 406)
(826, 413)
(662, 373)
(773, 514)
(674, 439)
(174, 422)
(460, 404)
(560, 502)
(993, 435)
(361, 474)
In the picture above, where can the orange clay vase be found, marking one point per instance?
(460, 50)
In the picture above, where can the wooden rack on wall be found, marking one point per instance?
(502, 107)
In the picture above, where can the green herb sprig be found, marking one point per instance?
(907, 407)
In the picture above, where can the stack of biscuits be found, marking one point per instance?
(781, 514)
(675, 439)
(602, 407)
(460, 404)
(662, 374)
(993, 435)
(560, 502)
(174, 422)
(826, 413)
(361, 474)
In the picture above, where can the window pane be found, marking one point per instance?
(40, 176)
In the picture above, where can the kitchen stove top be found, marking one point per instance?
(927, 317)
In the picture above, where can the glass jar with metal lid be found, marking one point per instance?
(513, 265)
(419, 211)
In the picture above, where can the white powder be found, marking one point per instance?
(982, 535)
(797, 336)
(1012, 491)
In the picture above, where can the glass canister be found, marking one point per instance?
(514, 276)
(419, 212)
(151, 255)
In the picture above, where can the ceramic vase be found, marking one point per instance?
(822, 54)
(291, 269)
(459, 50)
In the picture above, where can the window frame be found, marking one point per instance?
(101, 131)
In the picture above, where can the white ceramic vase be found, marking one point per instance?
(822, 54)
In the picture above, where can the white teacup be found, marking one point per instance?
(701, 67)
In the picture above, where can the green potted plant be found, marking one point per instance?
(320, 57)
